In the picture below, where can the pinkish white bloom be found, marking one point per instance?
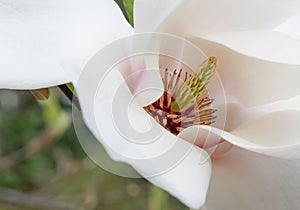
(258, 50)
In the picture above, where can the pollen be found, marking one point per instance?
(184, 102)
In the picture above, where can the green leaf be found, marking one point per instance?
(129, 9)
(71, 88)
(126, 7)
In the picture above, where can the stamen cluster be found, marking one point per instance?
(183, 103)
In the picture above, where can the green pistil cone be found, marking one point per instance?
(195, 86)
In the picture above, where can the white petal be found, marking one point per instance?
(236, 114)
(277, 133)
(211, 16)
(36, 37)
(269, 138)
(291, 26)
(245, 180)
(252, 81)
(188, 181)
(149, 14)
(129, 135)
(265, 45)
(272, 129)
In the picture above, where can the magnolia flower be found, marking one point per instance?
(257, 46)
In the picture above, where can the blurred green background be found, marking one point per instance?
(42, 165)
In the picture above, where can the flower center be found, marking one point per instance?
(183, 103)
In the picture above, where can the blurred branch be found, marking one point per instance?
(46, 138)
(39, 201)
